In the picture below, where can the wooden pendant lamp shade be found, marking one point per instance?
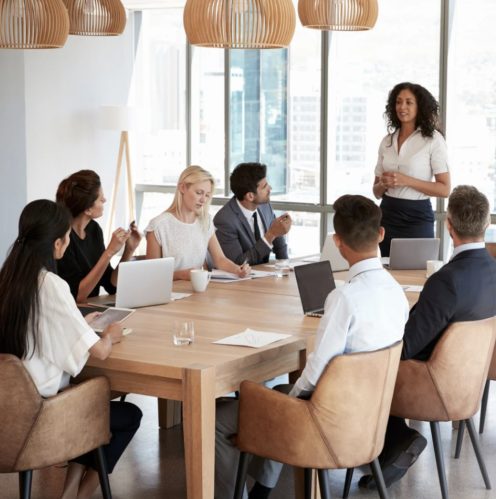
(96, 17)
(240, 24)
(33, 24)
(338, 15)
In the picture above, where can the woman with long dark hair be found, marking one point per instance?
(86, 263)
(41, 324)
(412, 165)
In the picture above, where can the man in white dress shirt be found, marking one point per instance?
(367, 313)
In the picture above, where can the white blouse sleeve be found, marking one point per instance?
(379, 169)
(211, 227)
(65, 336)
(153, 227)
(439, 155)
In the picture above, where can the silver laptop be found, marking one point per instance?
(411, 254)
(331, 253)
(144, 283)
(315, 282)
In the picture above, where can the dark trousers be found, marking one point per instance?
(125, 419)
(398, 434)
(405, 219)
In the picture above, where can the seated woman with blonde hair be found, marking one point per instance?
(185, 230)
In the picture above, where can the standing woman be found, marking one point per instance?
(41, 325)
(412, 165)
(86, 263)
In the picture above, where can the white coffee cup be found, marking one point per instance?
(433, 266)
(199, 280)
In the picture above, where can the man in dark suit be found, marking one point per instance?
(463, 290)
(247, 228)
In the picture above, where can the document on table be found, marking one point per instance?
(253, 339)
(223, 276)
(178, 296)
(412, 289)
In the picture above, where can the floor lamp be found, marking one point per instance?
(123, 119)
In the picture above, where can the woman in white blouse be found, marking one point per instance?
(41, 324)
(185, 230)
(412, 166)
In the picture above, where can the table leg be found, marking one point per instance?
(299, 473)
(169, 413)
(199, 430)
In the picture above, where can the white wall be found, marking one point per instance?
(49, 128)
(13, 184)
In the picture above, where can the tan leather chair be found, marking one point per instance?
(341, 426)
(491, 376)
(448, 387)
(36, 432)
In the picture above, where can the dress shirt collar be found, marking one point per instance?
(364, 266)
(247, 213)
(466, 247)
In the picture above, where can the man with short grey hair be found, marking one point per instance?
(463, 290)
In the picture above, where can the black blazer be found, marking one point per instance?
(463, 290)
(237, 239)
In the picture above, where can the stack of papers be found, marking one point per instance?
(253, 339)
(412, 289)
(223, 276)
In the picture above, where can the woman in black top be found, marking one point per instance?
(86, 262)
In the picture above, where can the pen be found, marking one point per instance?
(244, 263)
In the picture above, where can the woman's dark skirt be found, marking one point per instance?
(405, 219)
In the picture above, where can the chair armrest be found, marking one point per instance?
(279, 427)
(416, 395)
(69, 425)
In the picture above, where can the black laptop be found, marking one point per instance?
(315, 282)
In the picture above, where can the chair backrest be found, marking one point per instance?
(491, 247)
(459, 366)
(351, 404)
(20, 405)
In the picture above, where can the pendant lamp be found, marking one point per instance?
(240, 24)
(33, 24)
(96, 17)
(338, 15)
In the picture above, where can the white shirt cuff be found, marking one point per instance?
(80, 353)
(267, 242)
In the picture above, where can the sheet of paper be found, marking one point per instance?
(256, 274)
(292, 265)
(312, 259)
(178, 296)
(253, 339)
(223, 276)
(412, 289)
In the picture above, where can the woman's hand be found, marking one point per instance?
(183, 275)
(243, 271)
(119, 239)
(391, 180)
(134, 239)
(91, 317)
(115, 332)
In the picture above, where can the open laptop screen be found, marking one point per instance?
(315, 282)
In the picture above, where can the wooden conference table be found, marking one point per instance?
(147, 362)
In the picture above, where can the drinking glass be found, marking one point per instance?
(282, 268)
(184, 332)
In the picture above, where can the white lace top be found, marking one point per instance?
(187, 243)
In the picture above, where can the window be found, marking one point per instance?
(471, 109)
(363, 68)
(304, 237)
(162, 53)
(207, 113)
(275, 95)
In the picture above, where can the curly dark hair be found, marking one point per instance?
(428, 118)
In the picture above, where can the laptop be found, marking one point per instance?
(331, 253)
(411, 254)
(143, 283)
(315, 282)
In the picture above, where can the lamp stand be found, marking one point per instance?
(124, 145)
